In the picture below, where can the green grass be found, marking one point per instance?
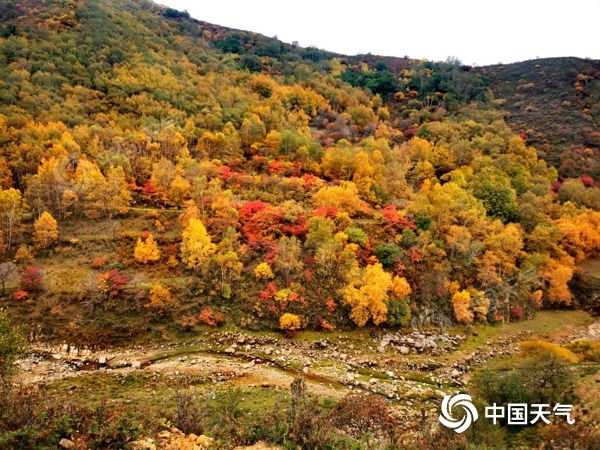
(373, 373)
(545, 325)
(420, 379)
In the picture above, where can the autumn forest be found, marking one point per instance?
(162, 178)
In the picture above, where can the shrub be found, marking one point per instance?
(585, 350)
(46, 230)
(323, 325)
(146, 251)
(387, 254)
(290, 322)
(517, 312)
(24, 256)
(31, 280)
(398, 312)
(545, 349)
(11, 346)
(263, 272)
(160, 299)
(21, 295)
(112, 283)
(356, 236)
(189, 322)
(359, 414)
(190, 411)
(99, 262)
(211, 319)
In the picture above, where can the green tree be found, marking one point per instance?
(541, 379)
(387, 254)
(498, 197)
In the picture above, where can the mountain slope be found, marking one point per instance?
(555, 102)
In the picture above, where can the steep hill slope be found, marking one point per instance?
(555, 102)
(161, 177)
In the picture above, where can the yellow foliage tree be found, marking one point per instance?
(24, 256)
(11, 211)
(119, 196)
(290, 322)
(146, 251)
(344, 197)
(160, 298)
(368, 295)
(179, 190)
(196, 246)
(46, 230)
(263, 271)
(400, 287)
(461, 302)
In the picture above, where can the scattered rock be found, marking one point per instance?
(66, 443)
(429, 343)
(102, 360)
(321, 344)
(144, 444)
(260, 445)
(136, 365)
(404, 350)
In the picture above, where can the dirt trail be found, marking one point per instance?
(399, 366)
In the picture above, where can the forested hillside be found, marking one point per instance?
(555, 104)
(160, 170)
(215, 209)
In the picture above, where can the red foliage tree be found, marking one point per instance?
(263, 226)
(587, 181)
(226, 173)
(149, 190)
(326, 211)
(211, 319)
(250, 208)
(269, 293)
(517, 312)
(20, 295)
(298, 228)
(309, 180)
(112, 282)
(395, 222)
(31, 280)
